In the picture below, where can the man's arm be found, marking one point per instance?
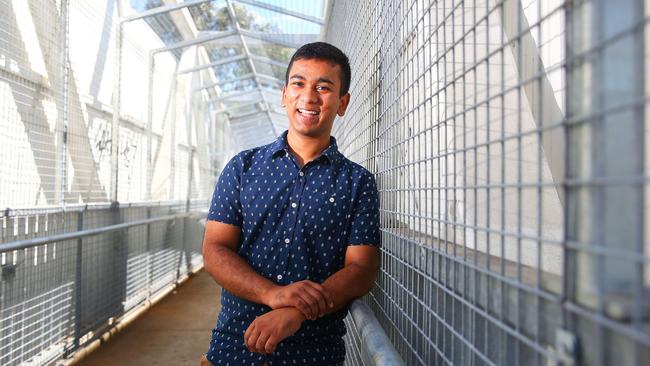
(356, 277)
(232, 272)
(354, 280)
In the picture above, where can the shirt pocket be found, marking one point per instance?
(328, 213)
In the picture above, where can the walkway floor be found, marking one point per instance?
(175, 331)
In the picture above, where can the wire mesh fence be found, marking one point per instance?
(59, 295)
(508, 143)
(65, 67)
(82, 148)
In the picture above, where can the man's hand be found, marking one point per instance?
(311, 298)
(266, 331)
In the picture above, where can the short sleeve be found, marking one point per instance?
(365, 217)
(225, 205)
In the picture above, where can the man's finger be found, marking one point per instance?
(252, 340)
(324, 292)
(248, 332)
(320, 300)
(270, 345)
(301, 305)
(312, 303)
(261, 343)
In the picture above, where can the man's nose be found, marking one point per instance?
(310, 96)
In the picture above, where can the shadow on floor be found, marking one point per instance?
(176, 331)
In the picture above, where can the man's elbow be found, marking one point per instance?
(212, 255)
(369, 277)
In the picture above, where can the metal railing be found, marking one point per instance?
(367, 342)
(70, 274)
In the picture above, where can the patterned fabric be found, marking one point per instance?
(296, 224)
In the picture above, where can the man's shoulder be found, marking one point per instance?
(249, 157)
(355, 169)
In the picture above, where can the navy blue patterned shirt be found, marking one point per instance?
(296, 224)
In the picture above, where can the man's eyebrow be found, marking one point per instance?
(320, 80)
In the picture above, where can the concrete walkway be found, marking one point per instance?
(175, 331)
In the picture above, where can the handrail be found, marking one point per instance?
(28, 243)
(376, 348)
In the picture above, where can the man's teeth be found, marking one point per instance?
(307, 112)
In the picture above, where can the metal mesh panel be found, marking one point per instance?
(57, 296)
(501, 242)
(64, 67)
(353, 345)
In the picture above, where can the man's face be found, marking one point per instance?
(312, 98)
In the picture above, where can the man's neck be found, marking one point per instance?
(306, 148)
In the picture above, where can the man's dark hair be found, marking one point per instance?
(326, 52)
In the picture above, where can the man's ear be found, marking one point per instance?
(343, 105)
(284, 92)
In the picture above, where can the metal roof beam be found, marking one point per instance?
(202, 38)
(269, 77)
(223, 82)
(245, 117)
(267, 39)
(243, 77)
(239, 106)
(268, 61)
(162, 10)
(213, 64)
(285, 11)
(237, 94)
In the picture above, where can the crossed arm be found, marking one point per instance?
(292, 303)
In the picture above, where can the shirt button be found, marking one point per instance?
(294, 205)
(331, 199)
(301, 173)
(287, 240)
(279, 277)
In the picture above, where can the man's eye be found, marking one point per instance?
(323, 88)
(297, 83)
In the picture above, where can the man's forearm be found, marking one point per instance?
(349, 283)
(235, 275)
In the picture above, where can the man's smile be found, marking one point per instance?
(310, 112)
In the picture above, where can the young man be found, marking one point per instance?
(293, 230)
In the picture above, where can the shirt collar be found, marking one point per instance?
(280, 145)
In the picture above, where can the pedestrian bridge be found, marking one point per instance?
(507, 139)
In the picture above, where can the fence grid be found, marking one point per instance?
(508, 143)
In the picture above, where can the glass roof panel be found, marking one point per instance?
(269, 84)
(270, 21)
(239, 98)
(275, 71)
(314, 8)
(212, 15)
(239, 86)
(238, 108)
(274, 52)
(232, 70)
(142, 5)
(220, 51)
